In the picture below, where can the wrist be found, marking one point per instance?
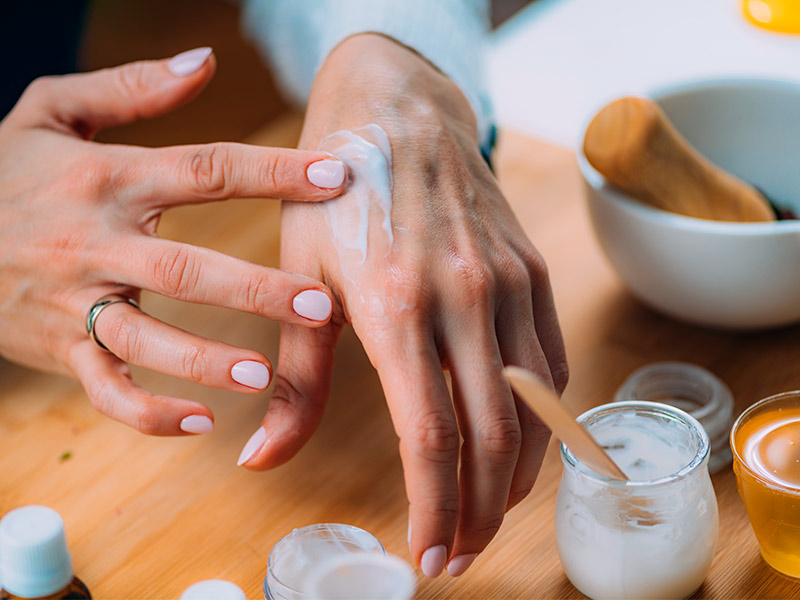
(370, 78)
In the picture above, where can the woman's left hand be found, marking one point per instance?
(462, 288)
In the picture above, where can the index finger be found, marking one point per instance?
(202, 173)
(411, 375)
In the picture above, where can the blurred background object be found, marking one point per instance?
(557, 62)
(775, 15)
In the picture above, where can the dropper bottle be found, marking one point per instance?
(34, 558)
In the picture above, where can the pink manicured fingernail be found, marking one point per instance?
(189, 61)
(433, 560)
(252, 445)
(459, 564)
(409, 532)
(313, 304)
(326, 173)
(197, 424)
(251, 373)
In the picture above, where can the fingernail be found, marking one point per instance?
(252, 445)
(313, 304)
(197, 424)
(459, 564)
(326, 173)
(251, 373)
(189, 61)
(433, 560)
(409, 532)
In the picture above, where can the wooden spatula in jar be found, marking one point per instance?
(548, 407)
(632, 143)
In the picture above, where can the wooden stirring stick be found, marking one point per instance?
(547, 405)
(632, 143)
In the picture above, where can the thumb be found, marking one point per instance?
(87, 102)
(302, 386)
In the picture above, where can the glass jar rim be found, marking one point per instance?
(738, 458)
(303, 530)
(672, 412)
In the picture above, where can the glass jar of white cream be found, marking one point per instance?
(294, 559)
(653, 536)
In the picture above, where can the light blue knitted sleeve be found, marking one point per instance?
(297, 35)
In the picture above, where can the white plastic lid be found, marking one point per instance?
(34, 558)
(213, 589)
(362, 577)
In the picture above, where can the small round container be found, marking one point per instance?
(297, 555)
(213, 589)
(652, 537)
(693, 389)
(767, 466)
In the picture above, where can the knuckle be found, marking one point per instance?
(131, 80)
(146, 419)
(537, 269)
(441, 509)
(435, 437)
(173, 271)
(207, 170)
(516, 278)
(256, 295)
(518, 495)
(489, 525)
(40, 87)
(499, 440)
(472, 275)
(195, 363)
(99, 394)
(276, 165)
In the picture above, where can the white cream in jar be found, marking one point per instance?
(653, 536)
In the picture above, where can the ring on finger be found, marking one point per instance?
(98, 307)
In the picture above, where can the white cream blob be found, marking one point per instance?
(360, 220)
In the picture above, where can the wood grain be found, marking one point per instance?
(146, 517)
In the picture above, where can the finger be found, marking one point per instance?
(409, 368)
(302, 387)
(140, 339)
(548, 331)
(111, 391)
(204, 276)
(519, 345)
(177, 175)
(87, 102)
(492, 437)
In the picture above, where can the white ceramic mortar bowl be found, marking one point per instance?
(726, 275)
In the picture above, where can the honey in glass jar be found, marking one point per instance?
(766, 447)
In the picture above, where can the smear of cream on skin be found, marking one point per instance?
(360, 220)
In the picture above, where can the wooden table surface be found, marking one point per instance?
(146, 517)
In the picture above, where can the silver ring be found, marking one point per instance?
(98, 307)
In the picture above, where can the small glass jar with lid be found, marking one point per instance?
(653, 536)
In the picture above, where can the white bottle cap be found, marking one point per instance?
(356, 576)
(34, 558)
(213, 589)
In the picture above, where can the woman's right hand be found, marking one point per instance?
(78, 221)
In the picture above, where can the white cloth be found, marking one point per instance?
(297, 35)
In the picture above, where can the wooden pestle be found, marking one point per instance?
(632, 143)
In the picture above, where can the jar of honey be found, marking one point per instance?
(765, 441)
(775, 15)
